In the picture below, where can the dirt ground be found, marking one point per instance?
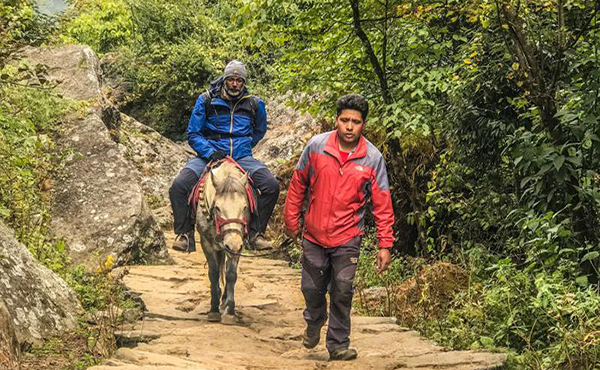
(175, 333)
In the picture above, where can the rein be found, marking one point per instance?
(284, 243)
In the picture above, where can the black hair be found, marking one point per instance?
(355, 102)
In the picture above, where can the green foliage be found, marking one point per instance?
(487, 113)
(166, 83)
(27, 117)
(548, 322)
(20, 25)
(17, 22)
(102, 25)
(164, 53)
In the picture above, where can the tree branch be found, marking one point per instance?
(585, 28)
(360, 33)
(527, 55)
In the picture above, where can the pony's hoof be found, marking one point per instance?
(214, 317)
(229, 319)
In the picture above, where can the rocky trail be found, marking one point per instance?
(175, 334)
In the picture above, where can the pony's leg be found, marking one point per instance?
(231, 278)
(215, 289)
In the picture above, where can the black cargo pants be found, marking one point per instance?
(333, 270)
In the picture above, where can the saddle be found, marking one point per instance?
(198, 189)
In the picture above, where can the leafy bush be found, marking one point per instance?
(27, 119)
(102, 25)
(547, 322)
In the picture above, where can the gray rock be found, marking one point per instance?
(157, 158)
(9, 346)
(40, 303)
(164, 217)
(99, 206)
(119, 171)
(289, 130)
(74, 68)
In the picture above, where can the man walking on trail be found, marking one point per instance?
(226, 121)
(341, 170)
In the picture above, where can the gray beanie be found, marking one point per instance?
(235, 68)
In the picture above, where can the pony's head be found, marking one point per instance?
(230, 206)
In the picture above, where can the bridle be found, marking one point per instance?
(220, 222)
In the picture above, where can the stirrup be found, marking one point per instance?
(187, 240)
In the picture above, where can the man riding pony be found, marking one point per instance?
(226, 121)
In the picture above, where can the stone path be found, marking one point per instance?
(176, 334)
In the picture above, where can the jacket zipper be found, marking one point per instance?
(231, 127)
(341, 171)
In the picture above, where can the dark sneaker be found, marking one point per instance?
(260, 242)
(343, 354)
(311, 336)
(185, 242)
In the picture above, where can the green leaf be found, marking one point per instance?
(518, 160)
(487, 342)
(4, 212)
(582, 281)
(575, 160)
(558, 162)
(590, 256)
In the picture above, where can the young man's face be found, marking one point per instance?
(349, 127)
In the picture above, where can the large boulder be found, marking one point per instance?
(99, 206)
(9, 346)
(288, 132)
(158, 161)
(40, 303)
(73, 68)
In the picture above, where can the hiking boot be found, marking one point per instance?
(343, 354)
(185, 242)
(259, 242)
(311, 336)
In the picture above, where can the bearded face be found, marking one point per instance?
(233, 86)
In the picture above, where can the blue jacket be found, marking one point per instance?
(226, 127)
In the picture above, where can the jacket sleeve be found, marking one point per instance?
(194, 131)
(293, 202)
(383, 212)
(260, 123)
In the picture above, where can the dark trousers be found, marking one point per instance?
(333, 270)
(266, 188)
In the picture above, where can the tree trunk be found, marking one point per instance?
(360, 33)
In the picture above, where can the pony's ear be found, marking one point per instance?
(213, 178)
(244, 178)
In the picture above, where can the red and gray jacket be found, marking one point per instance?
(338, 193)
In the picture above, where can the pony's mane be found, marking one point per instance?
(231, 185)
(230, 179)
